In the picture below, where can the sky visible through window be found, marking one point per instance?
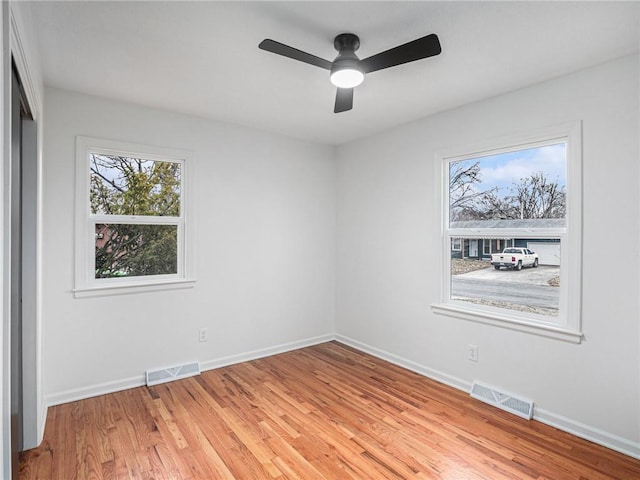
(504, 169)
(529, 183)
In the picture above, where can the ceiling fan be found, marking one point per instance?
(347, 70)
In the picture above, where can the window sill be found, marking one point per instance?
(511, 323)
(128, 288)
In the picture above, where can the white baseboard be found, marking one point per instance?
(565, 424)
(138, 381)
(568, 425)
(587, 432)
(441, 377)
(94, 390)
(42, 419)
(264, 352)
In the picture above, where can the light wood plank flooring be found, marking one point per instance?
(324, 412)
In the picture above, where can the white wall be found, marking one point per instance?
(265, 226)
(389, 256)
(267, 253)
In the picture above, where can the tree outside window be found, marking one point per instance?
(131, 229)
(124, 186)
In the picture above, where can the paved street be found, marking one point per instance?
(527, 287)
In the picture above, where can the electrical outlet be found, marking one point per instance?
(203, 335)
(473, 352)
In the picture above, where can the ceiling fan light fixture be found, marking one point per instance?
(348, 77)
(347, 70)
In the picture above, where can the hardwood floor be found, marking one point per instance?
(324, 412)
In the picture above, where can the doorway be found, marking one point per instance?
(473, 248)
(23, 221)
(16, 272)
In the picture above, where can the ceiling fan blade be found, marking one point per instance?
(344, 100)
(416, 50)
(290, 52)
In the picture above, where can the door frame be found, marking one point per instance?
(18, 44)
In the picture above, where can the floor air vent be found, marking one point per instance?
(518, 406)
(163, 375)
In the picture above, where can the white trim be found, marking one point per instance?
(436, 375)
(265, 352)
(569, 321)
(507, 321)
(96, 390)
(593, 434)
(127, 288)
(549, 135)
(135, 219)
(139, 380)
(587, 432)
(22, 58)
(85, 283)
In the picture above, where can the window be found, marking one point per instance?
(491, 245)
(131, 229)
(486, 247)
(520, 198)
(456, 244)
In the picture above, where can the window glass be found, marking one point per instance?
(135, 189)
(523, 184)
(123, 185)
(499, 281)
(130, 250)
(511, 204)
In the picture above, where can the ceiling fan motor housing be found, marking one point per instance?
(346, 44)
(346, 41)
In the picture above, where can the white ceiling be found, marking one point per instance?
(202, 58)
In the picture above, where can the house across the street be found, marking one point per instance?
(481, 247)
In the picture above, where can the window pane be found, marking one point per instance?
(128, 250)
(134, 186)
(513, 280)
(521, 189)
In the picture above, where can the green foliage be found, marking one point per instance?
(145, 188)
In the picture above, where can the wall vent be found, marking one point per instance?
(163, 375)
(506, 401)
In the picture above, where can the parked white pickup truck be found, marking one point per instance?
(514, 258)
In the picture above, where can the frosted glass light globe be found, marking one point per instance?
(347, 78)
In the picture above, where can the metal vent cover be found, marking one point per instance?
(163, 375)
(519, 406)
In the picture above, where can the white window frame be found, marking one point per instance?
(567, 326)
(86, 285)
(453, 244)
